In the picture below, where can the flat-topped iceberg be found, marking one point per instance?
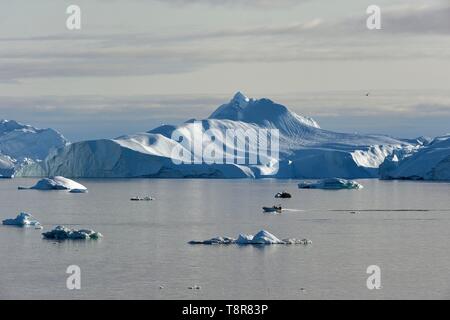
(63, 233)
(330, 184)
(58, 183)
(261, 238)
(23, 220)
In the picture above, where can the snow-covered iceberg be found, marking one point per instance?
(58, 183)
(430, 162)
(330, 184)
(22, 220)
(63, 233)
(305, 150)
(21, 145)
(263, 237)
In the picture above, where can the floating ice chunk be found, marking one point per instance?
(296, 241)
(261, 238)
(244, 239)
(283, 195)
(63, 233)
(78, 191)
(217, 240)
(23, 220)
(58, 183)
(330, 184)
(265, 237)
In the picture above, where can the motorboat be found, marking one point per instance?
(276, 209)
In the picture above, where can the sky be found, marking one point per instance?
(136, 64)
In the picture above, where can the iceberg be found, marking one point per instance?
(430, 162)
(330, 184)
(22, 220)
(22, 144)
(306, 151)
(7, 166)
(63, 233)
(263, 237)
(58, 183)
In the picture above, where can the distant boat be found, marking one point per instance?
(141, 199)
(273, 209)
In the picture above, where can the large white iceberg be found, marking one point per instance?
(330, 184)
(63, 233)
(23, 144)
(430, 162)
(58, 183)
(22, 220)
(305, 150)
(263, 237)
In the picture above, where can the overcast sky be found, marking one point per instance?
(138, 63)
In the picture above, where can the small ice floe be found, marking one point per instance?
(78, 191)
(23, 220)
(261, 238)
(147, 198)
(58, 183)
(283, 195)
(63, 233)
(330, 184)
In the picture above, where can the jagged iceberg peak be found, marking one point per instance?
(10, 125)
(260, 111)
(240, 99)
(7, 126)
(23, 143)
(234, 109)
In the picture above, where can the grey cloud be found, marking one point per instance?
(420, 20)
(97, 55)
(59, 61)
(253, 3)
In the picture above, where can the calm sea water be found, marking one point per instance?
(145, 243)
